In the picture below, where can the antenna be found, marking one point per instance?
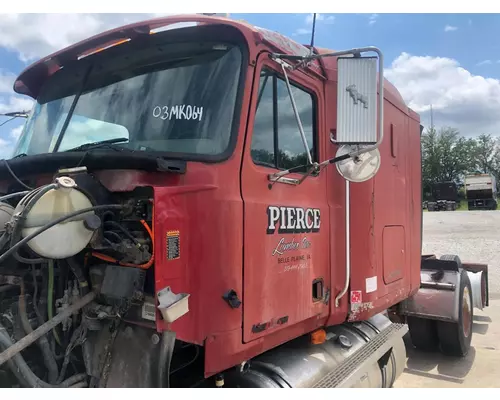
(312, 33)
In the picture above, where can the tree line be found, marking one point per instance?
(449, 156)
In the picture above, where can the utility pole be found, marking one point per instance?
(432, 119)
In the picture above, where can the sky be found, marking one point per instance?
(451, 61)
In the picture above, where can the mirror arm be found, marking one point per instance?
(355, 52)
(357, 150)
(284, 66)
(297, 116)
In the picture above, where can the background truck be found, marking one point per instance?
(218, 206)
(481, 192)
(444, 197)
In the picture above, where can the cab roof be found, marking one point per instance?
(31, 79)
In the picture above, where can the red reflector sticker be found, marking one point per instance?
(356, 297)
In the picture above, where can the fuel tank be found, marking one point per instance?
(366, 354)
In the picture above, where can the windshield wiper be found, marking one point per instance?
(101, 143)
(72, 108)
(14, 115)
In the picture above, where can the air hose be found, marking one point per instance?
(43, 329)
(28, 201)
(12, 195)
(43, 343)
(28, 377)
(50, 299)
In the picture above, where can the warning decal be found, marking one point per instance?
(356, 297)
(173, 249)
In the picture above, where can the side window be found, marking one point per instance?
(276, 140)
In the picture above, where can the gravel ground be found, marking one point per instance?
(475, 237)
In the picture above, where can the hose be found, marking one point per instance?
(24, 260)
(125, 231)
(50, 299)
(3, 240)
(166, 352)
(6, 288)
(45, 328)
(35, 296)
(54, 223)
(146, 265)
(29, 201)
(20, 368)
(78, 272)
(11, 195)
(114, 234)
(77, 338)
(15, 176)
(43, 343)
(17, 373)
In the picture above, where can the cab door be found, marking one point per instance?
(286, 235)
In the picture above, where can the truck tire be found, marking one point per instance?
(423, 333)
(452, 257)
(455, 337)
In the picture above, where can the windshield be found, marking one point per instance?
(180, 101)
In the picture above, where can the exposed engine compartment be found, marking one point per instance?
(71, 245)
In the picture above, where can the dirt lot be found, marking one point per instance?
(474, 236)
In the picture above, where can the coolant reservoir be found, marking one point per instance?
(66, 238)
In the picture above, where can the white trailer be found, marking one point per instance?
(481, 192)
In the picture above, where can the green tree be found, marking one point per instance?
(495, 162)
(486, 152)
(446, 156)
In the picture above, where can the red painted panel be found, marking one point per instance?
(393, 253)
(278, 274)
(388, 199)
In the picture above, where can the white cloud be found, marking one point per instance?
(33, 36)
(372, 19)
(16, 132)
(449, 28)
(470, 103)
(6, 81)
(330, 19)
(6, 149)
(309, 18)
(302, 31)
(484, 62)
(15, 103)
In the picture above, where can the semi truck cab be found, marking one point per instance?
(263, 201)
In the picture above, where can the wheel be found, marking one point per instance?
(455, 337)
(452, 257)
(423, 333)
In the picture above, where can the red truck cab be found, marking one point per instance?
(263, 261)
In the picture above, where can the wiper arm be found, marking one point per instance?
(72, 109)
(14, 115)
(101, 143)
